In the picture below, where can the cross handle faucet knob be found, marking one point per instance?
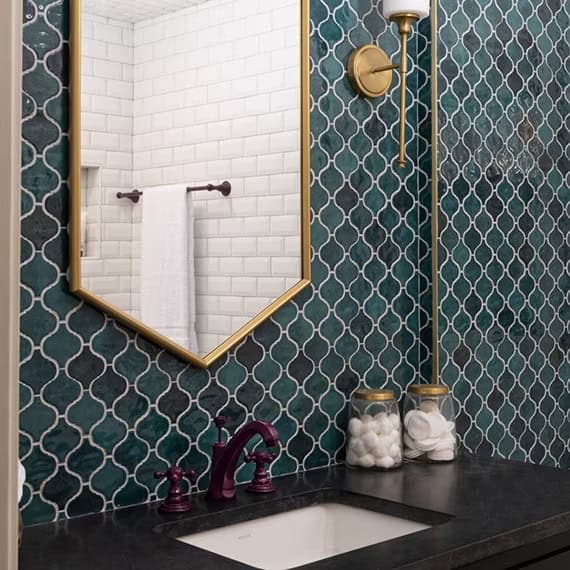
(261, 457)
(261, 483)
(175, 502)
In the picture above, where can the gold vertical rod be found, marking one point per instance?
(435, 193)
(403, 94)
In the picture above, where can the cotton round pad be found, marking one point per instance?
(418, 424)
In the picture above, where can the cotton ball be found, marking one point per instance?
(417, 423)
(385, 425)
(357, 447)
(369, 440)
(394, 451)
(386, 462)
(429, 406)
(381, 447)
(352, 458)
(375, 427)
(366, 419)
(353, 442)
(437, 426)
(380, 416)
(367, 460)
(386, 440)
(395, 420)
(395, 437)
(355, 427)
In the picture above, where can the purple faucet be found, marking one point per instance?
(226, 455)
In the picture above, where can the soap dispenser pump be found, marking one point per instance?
(225, 456)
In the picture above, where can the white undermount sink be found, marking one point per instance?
(302, 536)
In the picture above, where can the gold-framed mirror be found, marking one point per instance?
(189, 165)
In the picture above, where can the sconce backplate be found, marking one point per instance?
(361, 70)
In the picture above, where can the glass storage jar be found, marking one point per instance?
(429, 424)
(374, 439)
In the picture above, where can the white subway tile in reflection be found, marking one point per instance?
(184, 92)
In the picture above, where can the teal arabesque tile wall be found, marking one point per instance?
(504, 72)
(102, 409)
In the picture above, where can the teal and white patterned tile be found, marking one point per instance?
(102, 408)
(505, 220)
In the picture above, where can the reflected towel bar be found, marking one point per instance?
(225, 189)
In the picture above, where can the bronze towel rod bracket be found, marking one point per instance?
(133, 196)
(225, 189)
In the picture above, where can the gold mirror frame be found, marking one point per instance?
(75, 204)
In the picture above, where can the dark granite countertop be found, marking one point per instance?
(487, 507)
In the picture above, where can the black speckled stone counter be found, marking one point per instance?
(486, 507)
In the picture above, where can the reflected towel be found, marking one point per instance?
(168, 290)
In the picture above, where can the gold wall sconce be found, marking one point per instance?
(370, 69)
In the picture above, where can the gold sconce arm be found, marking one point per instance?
(386, 68)
(370, 71)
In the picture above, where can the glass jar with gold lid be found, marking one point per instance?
(429, 424)
(374, 439)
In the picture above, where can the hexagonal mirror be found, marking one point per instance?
(189, 165)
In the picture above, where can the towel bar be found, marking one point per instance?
(225, 189)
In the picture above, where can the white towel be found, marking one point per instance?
(168, 291)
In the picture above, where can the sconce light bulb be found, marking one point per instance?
(419, 7)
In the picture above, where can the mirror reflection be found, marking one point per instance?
(190, 161)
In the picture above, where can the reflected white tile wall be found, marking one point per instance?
(130, 11)
(198, 95)
(107, 147)
(217, 97)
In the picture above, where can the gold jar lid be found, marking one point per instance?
(429, 389)
(374, 395)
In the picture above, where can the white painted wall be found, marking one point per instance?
(10, 175)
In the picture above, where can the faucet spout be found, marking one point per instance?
(222, 481)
